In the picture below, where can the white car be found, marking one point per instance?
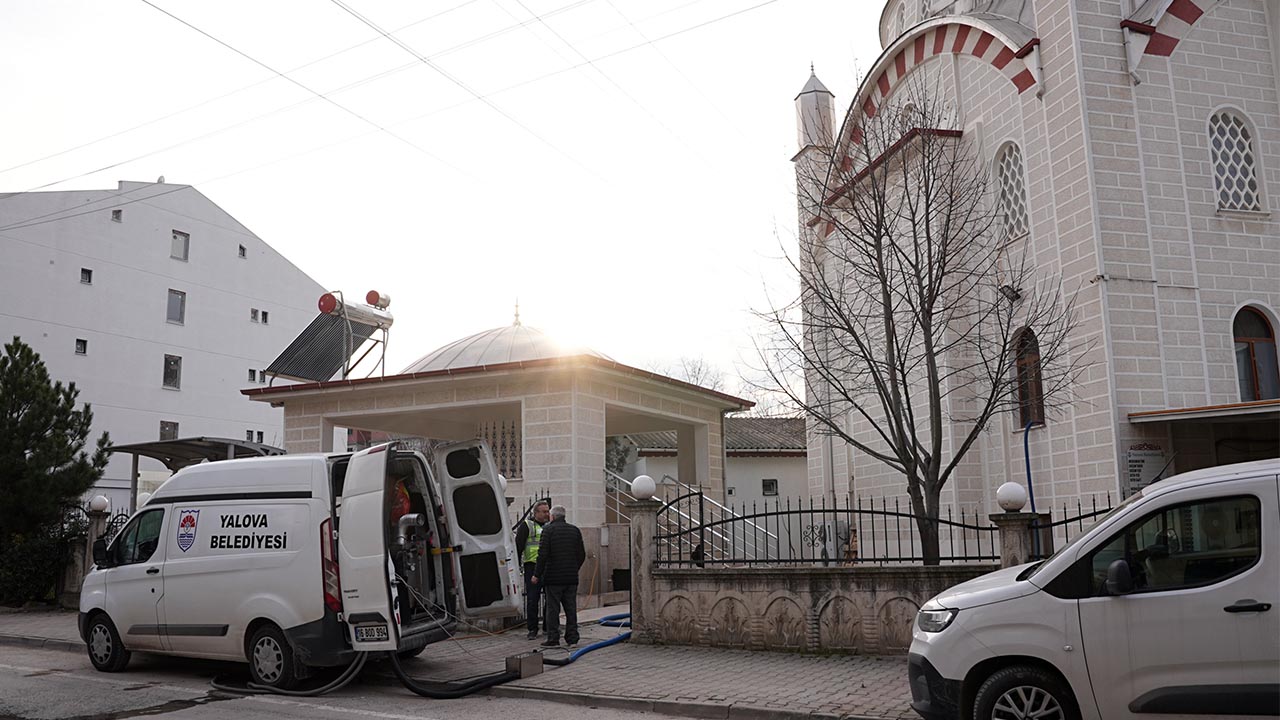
(299, 561)
(1164, 609)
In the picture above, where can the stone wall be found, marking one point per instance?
(859, 609)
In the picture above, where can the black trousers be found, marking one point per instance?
(566, 596)
(532, 596)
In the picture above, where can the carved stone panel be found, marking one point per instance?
(728, 624)
(896, 619)
(678, 621)
(840, 625)
(784, 625)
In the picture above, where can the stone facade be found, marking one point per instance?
(1114, 135)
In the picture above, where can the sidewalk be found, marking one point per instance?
(686, 681)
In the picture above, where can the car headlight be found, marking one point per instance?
(935, 619)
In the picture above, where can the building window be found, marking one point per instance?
(1256, 356)
(173, 372)
(177, 312)
(265, 317)
(248, 436)
(259, 436)
(1012, 187)
(1030, 386)
(82, 346)
(168, 430)
(262, 376)
(243, 252)
(1235, 165)
(86, 276)
(769, 486)
(253, 375)
(117, 216)
(253, 314)
(181, 246)
(731, 491)
(924, 10)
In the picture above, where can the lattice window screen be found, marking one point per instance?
(504, 440)
(1235, 167)
(1013, 191)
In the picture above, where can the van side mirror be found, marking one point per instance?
(1119, 581)
(100, 552)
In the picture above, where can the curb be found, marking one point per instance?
(42, 643)
(691, 709)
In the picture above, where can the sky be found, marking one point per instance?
(619, 167)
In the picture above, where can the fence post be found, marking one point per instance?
(644, 548)
(1015, 536)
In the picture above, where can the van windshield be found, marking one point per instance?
(1072, 543)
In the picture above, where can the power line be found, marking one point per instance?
(456, 81)
(644, 108)
(320, 95)
(39, 220)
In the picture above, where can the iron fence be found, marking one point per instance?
(1044, 529)
(805, 532)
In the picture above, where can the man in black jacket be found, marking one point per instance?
(560, 555)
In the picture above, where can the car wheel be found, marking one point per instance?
(1023, 692)
(106, 651)
(271, 659)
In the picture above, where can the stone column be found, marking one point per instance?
(644, 547)
(1015, 536)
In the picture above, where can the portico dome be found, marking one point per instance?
(513, 343)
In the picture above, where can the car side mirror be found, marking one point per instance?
(100, 552)
(1119, 581)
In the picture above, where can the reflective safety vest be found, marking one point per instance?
(531, 545)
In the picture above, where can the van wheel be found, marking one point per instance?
(1024, 691)
(106, 651)
(271, 659)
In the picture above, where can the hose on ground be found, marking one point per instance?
(620, 620)
(447, 693)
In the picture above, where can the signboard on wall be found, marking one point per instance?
(1143, 464)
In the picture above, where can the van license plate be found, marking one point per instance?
(372, 633)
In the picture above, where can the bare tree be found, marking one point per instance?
(696, 370)
(910, 329)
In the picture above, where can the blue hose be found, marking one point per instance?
(620, 620)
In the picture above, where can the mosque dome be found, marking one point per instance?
(513, 343)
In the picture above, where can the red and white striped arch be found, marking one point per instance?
(1163, 24)
(1012, 51)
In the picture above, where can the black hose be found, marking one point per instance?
(437, 693)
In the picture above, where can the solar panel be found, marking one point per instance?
(320, 351)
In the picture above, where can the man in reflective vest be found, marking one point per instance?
(528, 539)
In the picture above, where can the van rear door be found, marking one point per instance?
(483, 547)
(363, 563)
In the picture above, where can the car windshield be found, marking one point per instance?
(1070, 544)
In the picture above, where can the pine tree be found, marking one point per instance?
(43, 462)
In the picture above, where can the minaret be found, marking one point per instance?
(815, 114)
(815, 128)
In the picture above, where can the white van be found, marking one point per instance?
(299, 561)
(1164, 609)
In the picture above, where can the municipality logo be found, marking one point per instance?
(187, 529)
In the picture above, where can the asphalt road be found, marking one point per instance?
(48, 685)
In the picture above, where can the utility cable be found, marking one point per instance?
(459, 83)
(303, 86)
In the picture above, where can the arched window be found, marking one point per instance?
(909, 119)
(1011, 184)
(1030, 387)
(924, 11)
(1235, 164)
(1255, 356)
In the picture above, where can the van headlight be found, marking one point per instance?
(935, 619)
